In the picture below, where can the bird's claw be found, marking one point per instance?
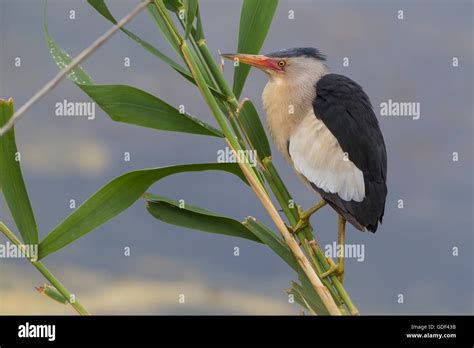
(337, 270)
(304, 216)
(302, 223)
(301, 213)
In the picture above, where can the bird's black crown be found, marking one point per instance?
(298, 52)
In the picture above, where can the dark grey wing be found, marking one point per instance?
(345, 109)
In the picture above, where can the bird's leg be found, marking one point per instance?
(304, 216)
(339, 268)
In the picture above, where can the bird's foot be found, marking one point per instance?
(337, 270)
(302, 223)
(304, 216)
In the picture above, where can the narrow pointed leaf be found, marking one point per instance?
(191, 8)
(268, 237)
(101, 7)
(155, 15)
(169, 211)
(128, 104)
(281, 249)
(253, 127)
(297, 291)
(63, 59)
(131, 105)
(173, 5)
(114, 198)
(199, 35)
(310, 295)
(255, 19)
(11, 180)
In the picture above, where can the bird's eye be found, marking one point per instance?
(281, 63)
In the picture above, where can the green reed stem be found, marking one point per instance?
(293, 217)
(233, 141)
(191, 61)
(212, 73)
(281, 192)
(46, 273)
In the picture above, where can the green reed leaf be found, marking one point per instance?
(11, 180)
(253, 127)
(191, 9)
(268, 237)
(165, 30)
(255, 19)
(134, 106)
(129, 104)
(115, 197)
(189, 216)
(101, 7)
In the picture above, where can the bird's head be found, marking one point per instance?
(292, 63)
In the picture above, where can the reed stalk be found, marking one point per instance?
(249, 172)
(46, 273)
(278, 187)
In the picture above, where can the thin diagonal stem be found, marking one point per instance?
(248, 171)
(76, 61)
(280, 191)
(292, 216)
(46, 273)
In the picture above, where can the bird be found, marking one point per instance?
(324, 126)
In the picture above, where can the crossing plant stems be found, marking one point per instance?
(239, 126)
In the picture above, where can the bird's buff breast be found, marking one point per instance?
(284, 108)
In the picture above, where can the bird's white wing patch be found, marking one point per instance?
(317, 155)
